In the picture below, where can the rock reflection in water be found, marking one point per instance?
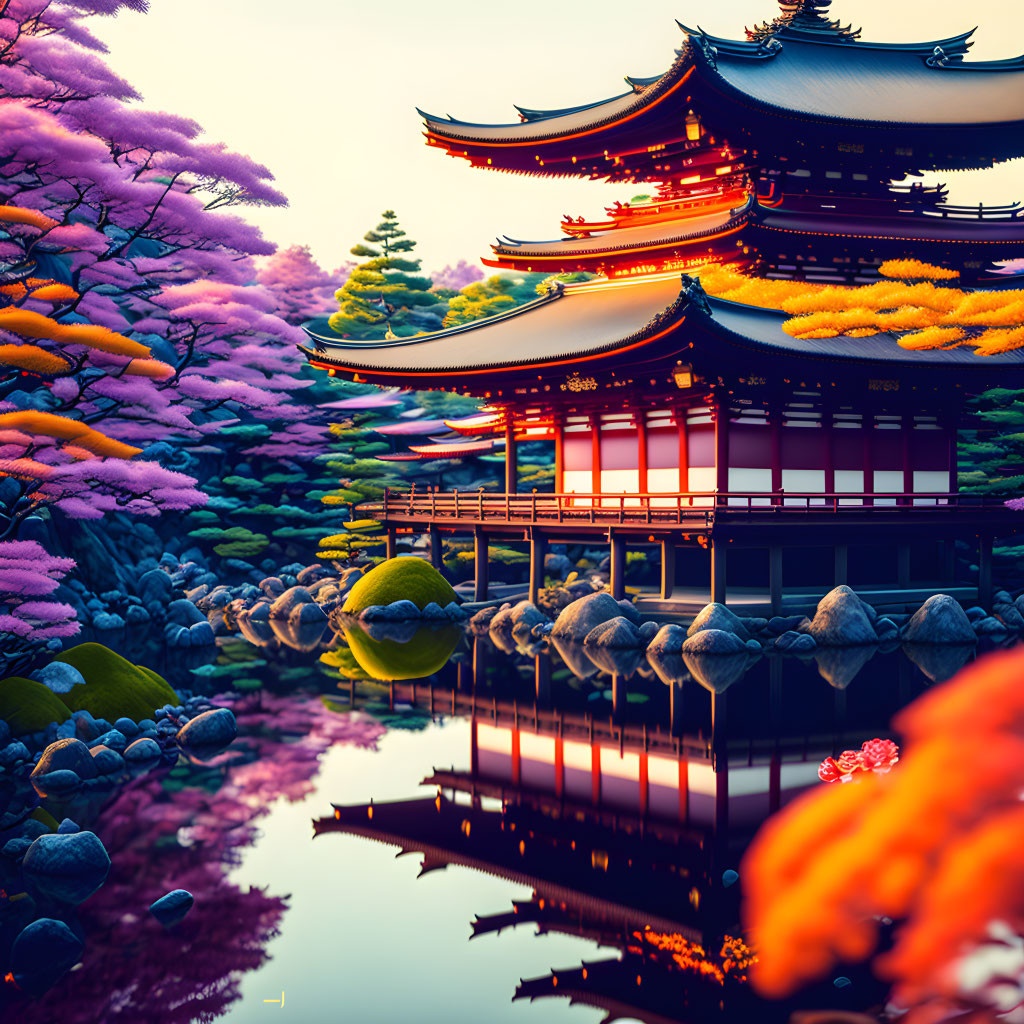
(393, 653)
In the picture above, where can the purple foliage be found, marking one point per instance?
(458, 276)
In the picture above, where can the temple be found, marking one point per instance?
(698, 424)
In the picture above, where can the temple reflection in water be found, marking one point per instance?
(625, 803)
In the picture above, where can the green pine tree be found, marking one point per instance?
(387, 277)
(991, 456)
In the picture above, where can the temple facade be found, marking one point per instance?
(698, 424)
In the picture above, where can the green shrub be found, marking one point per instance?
(27, 706)
(114, 687)
(405, 577)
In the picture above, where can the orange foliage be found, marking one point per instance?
(991, 343)
(153, 368)
(60, 427)
(935, 842)
(54, 292)
(35, 325)
(32, 358)
(915, 268)
(19, 215)
(932, 337)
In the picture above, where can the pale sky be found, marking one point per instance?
(323, 92)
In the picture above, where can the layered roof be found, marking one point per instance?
(808, 69)
(642, 327)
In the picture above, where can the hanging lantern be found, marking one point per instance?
(693, 129)
(683, 376)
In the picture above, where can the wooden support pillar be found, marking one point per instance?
(720, 413)
(595, 773)
(618, 580)
(903, 566)
(775, 578)
(595, 454)
(828, 426)
(668, 568)
(949, 562)
(985, 571)
(640, 417)
(718, 562)
(511, 466)
(516, 763)
(618, 695)
(481, 565)
(952, 425)
(775, 443)
(435, 548)
(542, 677)
(479, 662)
(907, 446)
(391, 548)
(867, 459)
(538, 544)
(684, 451)
(558, 426)
(675, 709)
(842, 573)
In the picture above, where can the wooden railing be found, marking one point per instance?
(685, 509)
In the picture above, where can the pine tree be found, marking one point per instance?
(384, 294)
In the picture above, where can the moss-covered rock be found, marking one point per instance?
(404, 578)
(114, 687)
(27, 706)
(426, 653)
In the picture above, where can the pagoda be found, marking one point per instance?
(699, 424)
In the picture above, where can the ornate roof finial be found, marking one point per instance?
(804, 16)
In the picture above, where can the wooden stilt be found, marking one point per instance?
(618, 580)
(481, 565)
(775, 578)
(538, 545)
(718, 562)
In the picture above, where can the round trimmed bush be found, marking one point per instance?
(405, 577)
(114, 687)
(27, 706)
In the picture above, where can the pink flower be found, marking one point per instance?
(875, 755)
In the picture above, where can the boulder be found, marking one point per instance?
(991, 626)
(42, 952)
(524, 617)
(305, 616)
(788, 624)
(433, 612)
(172, 907)
(886, 630)
(615, 634)
(184, 613)
(1007, 612)
(58, 783)
(67, 868)
(397, 611)
(648, 631)
(940, 620)
(70, 754)
(841, 621)
(67, 827)
(628, 609)
(210, 729)
(755, 625)
(284, 604)
(273, 587)
(716, 641)
(58, 677)
(142, 750)
(107, 761)
(155, 588)
(454, 612)
(718, 617)
(792, 642)
(667, 641)
(576, 620)
(113, 738)
(501, 620)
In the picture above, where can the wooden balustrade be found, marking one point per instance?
(689, 508)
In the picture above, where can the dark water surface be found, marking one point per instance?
(509, 841)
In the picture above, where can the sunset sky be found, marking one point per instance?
(326, 97)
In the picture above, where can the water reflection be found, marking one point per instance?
(624, 792)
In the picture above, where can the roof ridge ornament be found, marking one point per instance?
(804, 16)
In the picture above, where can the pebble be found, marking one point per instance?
(172, 907)
(142, 750)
